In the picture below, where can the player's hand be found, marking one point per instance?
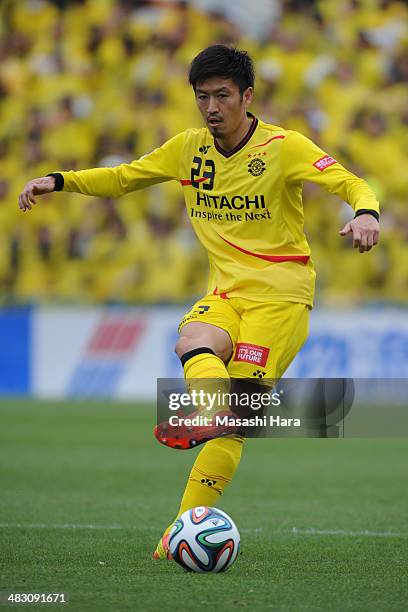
(365, 230)
(37, 186)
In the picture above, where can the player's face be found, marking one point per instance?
(222, 106)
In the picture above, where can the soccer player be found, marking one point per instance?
(242, 182)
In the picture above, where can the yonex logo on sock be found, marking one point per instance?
(208, 482)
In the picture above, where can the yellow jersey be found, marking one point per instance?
(245, 205)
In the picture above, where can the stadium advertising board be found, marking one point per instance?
(120, 353)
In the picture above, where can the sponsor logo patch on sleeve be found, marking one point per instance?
(251, 353)
(324, 162)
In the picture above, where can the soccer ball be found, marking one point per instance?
(204, 540)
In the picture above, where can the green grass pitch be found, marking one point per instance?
(86, 491)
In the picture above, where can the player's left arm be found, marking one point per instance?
(302, 160)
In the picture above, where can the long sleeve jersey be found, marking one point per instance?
(245, 205)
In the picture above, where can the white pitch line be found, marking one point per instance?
(341, 532)
(63, 526)
(294, 531)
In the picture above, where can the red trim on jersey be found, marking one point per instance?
(268, 141)
(223, 295)
(274, 258)
(243, 142)
(188, 182)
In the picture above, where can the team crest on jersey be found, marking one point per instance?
(256, 167)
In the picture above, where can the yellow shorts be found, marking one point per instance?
(266, 336)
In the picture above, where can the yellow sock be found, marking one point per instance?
(216, 463)
(205, 365)
(206, 372)
(213, 469)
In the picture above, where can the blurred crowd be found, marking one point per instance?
(90, 83)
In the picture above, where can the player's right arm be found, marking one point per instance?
(160, 165)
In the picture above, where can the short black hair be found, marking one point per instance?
(223, 61)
